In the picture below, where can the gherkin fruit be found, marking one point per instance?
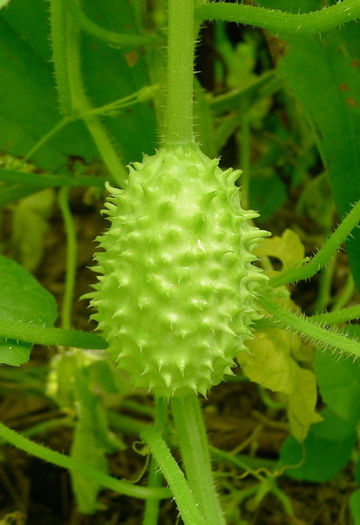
(176, 292)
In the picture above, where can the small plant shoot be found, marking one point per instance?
(179, 307)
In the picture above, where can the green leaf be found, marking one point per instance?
(339, 384)
(3, 3)
(355, 506)
(28, 98)
(23, 299)
(318, 459)
(333, 427)
(324, 75)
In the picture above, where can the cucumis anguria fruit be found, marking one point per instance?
(176, 289)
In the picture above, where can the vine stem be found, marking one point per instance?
(196, 457)
(306, 327)
(73, 100)
(179, 107)
(109, 37)
(320, 259)
(338, 316)
(41, 335)
(155, 476)
(50, 181)
(66, 309)
(280, 21)
(174, 476)
(61, 460)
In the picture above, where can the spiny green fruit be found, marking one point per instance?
(176, 291)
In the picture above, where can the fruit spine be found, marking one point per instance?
(176, 292)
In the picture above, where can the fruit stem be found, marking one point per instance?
(64, 461)
(179, 107)
(155, 477)
(174, 476)
(194, 447)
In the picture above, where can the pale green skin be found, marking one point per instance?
(176, 291)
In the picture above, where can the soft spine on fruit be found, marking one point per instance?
(176, 289)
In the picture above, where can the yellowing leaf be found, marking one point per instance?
(302, 402)
(269, 362)
(288, 248)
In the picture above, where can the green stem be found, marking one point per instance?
(179, 108)
(51, 424)
(66, 310)
(111, 109)
(324, 292)
(345, 293)
(155, 477)
(122, 423)
(61, 460)
(40, 335)
(337, 316)
(45, 138)
(304, 326)
(70, 87)
(50, 181)
(280, 21)
(175, 478)
(59, 55)
(110, 37)
(320, 259)
(196, 457)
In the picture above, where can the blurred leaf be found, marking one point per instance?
(28, 99)
(204, 122)
(29, 226)
(3, 3)
(316, 202)
(267, 195)
(22, 299)
(92, 440)
(355, 506)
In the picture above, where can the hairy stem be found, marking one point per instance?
(109, 37)
(155, 477)
(337, 316)
(175, 478)
(66, 54)
(280, 21)
(35, 334)
(40, 181)
(179, 108)
(320, 259)
(304, 326)
(196, 457)
(61, 460)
